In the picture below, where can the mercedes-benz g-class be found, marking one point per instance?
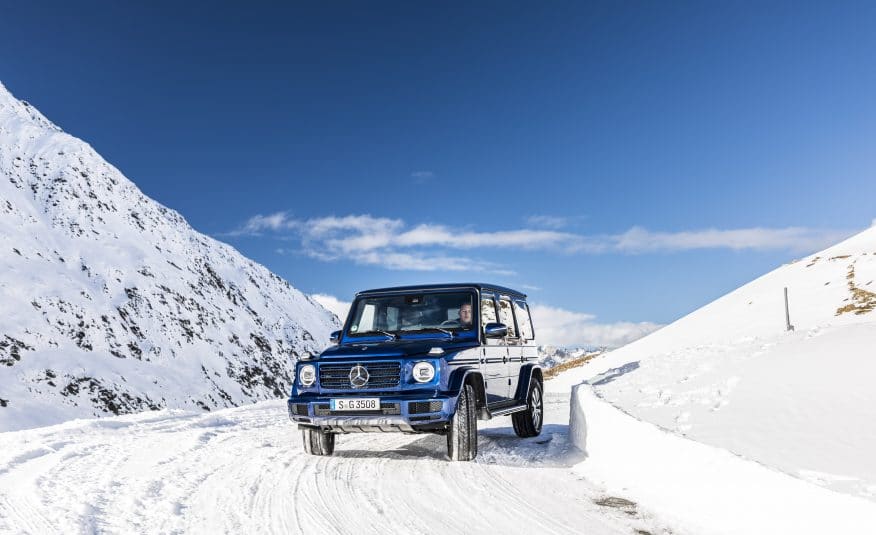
(423, 359)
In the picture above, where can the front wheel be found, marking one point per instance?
(462, 437)
(317, 442)
(528, 423)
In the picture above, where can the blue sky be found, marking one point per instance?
(625, 162)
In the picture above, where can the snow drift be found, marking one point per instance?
(111, 303)
(729, 375)
(702, 489)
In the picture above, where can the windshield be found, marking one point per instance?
(440, 312)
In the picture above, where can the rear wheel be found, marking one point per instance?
(528, 423)
(317, 442)
(462, 438)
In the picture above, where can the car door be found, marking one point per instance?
(528, 349)
(495, 355)
(514, 344)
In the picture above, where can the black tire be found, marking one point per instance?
(528, 423)
(317, 442)
(462, 437)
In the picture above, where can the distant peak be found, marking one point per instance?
(22, 110)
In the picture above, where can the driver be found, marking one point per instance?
(465, 315)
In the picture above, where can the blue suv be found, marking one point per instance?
(423, 359)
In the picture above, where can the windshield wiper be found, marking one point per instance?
(393, 336)
(439, 329)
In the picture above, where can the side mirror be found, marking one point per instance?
(495, 330)
(335, 337)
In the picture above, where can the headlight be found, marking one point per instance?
(424, 372)
(307, 375)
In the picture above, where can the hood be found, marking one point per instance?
(396, 349)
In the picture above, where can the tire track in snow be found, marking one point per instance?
(243, 470)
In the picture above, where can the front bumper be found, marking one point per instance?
(407, 414)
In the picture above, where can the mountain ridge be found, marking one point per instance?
(111, 303)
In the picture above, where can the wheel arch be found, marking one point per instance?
(473, 377)
(528, 373)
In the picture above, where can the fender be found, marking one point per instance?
(472, 374)
(527, 373)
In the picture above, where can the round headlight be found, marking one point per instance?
(424, 372)
(307, 375)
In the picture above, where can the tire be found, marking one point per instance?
(528, 423)
(317, 442)
(462, 437)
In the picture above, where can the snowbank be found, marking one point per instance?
(699, 488)
(730, 375)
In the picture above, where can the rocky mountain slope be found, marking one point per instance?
(111, 303)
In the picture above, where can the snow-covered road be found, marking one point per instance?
(243, 471)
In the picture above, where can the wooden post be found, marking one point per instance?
(788, 326)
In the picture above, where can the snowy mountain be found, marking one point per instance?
(730, 375)
(111, 303)
(550, 356)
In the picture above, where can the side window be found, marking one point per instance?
(506, 316)
(524, 320)
(488, 310)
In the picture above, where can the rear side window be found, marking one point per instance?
(524, 321)
(506, 316)
(488, 310)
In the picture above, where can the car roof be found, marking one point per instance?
(478, 285)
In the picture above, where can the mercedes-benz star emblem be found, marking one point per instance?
(359, 376)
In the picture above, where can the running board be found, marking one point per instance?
(508, 410)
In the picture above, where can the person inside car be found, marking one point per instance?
(465, 316)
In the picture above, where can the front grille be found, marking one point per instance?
(380, 375)
(301, 409)
(421, 407)
(388, 409)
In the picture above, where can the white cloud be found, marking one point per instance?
(561, 327)
(376, 241)
(394, 244)
(547, 221)
(439, 235)
(798, 239)
(259, 223)
(425, 262)
(421, 177)
(333, 304)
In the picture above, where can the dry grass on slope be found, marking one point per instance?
(576, 362)
(862, 300)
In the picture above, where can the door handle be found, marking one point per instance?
(504, 360)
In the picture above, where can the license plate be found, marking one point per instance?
(355, 404)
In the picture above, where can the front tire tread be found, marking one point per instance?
(317, 442)
(462, 437)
